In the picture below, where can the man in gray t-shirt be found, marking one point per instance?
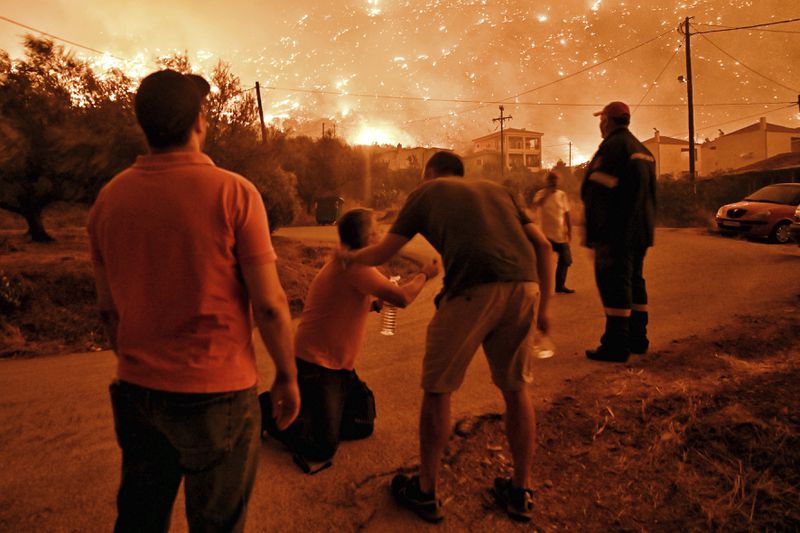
(498, 280)
(476, 226)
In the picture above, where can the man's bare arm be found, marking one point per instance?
(105, 305)
(377, 254)
(274, 322)
(568, 225)
(405, 294)
(544, 268)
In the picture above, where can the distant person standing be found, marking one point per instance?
(181, 253)
(497, 285)
(619, 197)
(553, 206)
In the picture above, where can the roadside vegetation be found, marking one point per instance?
(702, 436)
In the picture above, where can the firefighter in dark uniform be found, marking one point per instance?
(618, 193)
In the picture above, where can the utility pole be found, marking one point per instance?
(570, 154)
(501, 119)
(690, 100)
(323, 130)
(261, 114)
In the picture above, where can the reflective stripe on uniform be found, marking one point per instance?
(643, 157)
(607, 180)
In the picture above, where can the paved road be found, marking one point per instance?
(60, 464)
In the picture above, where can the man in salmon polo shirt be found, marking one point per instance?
(181, 252)
(329, 338)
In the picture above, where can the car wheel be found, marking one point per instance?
(780, 233)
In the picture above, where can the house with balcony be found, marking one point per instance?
(522, 149)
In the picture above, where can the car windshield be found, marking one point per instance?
(776, 194)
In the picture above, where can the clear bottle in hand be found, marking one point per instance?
(544, 347)
(389, 314)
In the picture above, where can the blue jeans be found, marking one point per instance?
(209, 440)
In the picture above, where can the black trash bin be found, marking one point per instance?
(328, 209)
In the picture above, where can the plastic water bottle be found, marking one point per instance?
(389, 314)
(544, 346)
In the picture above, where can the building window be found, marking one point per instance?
(532, 143)
(478, 162)
(515, 143)
(533, 160)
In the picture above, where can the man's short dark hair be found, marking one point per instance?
(352, 228)
(445, 164)
(167, 104)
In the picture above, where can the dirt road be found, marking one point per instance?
(60, 463)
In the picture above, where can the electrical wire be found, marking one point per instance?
(488, 102)
(754, 29)
(73, 43)
(581, 71)
(748, 67)
(548, 84)
(750, 27)
(650, 87)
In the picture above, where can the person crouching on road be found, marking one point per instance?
(328, 340)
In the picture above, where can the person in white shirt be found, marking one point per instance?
(553, 207)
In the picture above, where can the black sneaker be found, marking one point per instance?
(407, 493)
(565, 290)
(518, 503)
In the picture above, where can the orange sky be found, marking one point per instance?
(459, 50)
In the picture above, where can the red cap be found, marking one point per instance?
(615, 110)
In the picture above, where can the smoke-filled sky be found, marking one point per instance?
(527, 54)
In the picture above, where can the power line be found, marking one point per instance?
(56, 37)
(563, 78)
(748, 67)
(492, 102)
(755, 29)
(556, 145)
(677, 49)
(750, 27)
(581, 71)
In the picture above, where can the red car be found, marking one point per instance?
(768, 212)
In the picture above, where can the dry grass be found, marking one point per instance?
(47, 290)
(693, 439)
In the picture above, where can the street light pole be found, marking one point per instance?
(502, 119)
